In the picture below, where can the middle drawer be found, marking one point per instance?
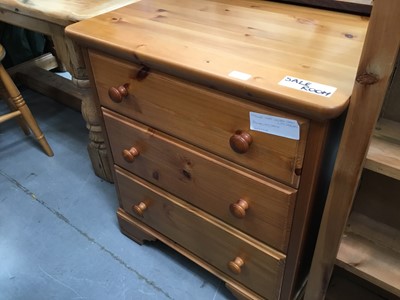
(248, 201)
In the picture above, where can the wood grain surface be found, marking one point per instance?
(63, 12)
(167, 104)
(192, 229)
(377, 65)
(205, 181)
(204, 41)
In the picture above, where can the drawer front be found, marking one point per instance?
(254, 204)
(203, 117)
(249, 262)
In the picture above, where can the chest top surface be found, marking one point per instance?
(290, 57)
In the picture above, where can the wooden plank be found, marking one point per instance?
(371, 251)
(384, 152)
(347, 286)
(14, 18)
(375, 68)
(391, 109)
(380, 233)
(352, 6)
(388, 130)
(268, 41)
(62, 12)
(378, 198)
(53, 86)
(46, 61)
(302, 237)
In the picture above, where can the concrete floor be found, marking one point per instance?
(59, 237)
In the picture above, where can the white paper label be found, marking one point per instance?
(275, 125)
(239, 75)
(308, 86)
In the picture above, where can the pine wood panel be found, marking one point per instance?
(347, 286)
(46, 61)
(205, 40)
(391, 107)
(375, 68)
(208, 238)
(368, 250)
(309, 203)
(62, 12)
(378, 198)
(204, 180)
(201, 117)
(140, 232)
(384, 151)
(54, 86)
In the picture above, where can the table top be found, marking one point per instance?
(290, 57)
(63, 12)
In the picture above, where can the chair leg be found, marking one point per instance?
(19, 103)
(20, 120)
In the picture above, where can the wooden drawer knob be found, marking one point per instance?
(236, 265)
(240, 142)
(139, 209)
(130, 155)
(117, 94)
(239, 208)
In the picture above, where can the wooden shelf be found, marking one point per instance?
(384, 152)
(347, 286)
(371, 250)
(369, 247)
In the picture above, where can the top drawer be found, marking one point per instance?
(211, 120)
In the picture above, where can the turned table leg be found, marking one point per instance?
(70, 58)
(70, 54)
(96, 147)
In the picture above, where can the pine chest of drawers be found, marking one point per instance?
(220, 120)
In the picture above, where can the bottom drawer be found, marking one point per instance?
(245, 259)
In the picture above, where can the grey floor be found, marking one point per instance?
(59, 237)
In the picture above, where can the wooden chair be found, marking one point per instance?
(18, 107)
(50, 18)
